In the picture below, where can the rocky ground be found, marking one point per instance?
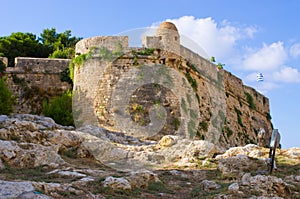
(41, 159)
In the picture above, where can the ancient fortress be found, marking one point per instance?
(162, 88)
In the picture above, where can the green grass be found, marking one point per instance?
(34, 173)
(157, 187)
(286, 166)
(197, 192)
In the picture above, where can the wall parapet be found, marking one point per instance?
(85, 45)
(38, 65)
(34, 80)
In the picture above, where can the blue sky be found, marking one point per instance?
(248, 36)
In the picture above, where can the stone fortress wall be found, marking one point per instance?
(33, 80)
(230, 113)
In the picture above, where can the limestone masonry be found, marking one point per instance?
(119, 85)
(33, 80)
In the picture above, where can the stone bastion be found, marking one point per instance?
(164, 88)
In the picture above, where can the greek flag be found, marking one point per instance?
(259, 77)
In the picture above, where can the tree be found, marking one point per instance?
(64, 53)
(7, 100)
(21, 45)
(62, 45)
(49, 44)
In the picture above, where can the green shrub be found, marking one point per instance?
(78, 61)
(65, 53)
(158, 187)
(192, 81)
(7, 99)
(60, 109)
(193, 67)
(146, 51)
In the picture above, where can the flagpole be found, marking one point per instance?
(259, 78)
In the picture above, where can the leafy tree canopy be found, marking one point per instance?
(21, 45)
(49, 44)
(61, 44)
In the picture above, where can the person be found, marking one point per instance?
(261, 136)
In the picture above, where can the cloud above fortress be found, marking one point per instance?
(227, 42)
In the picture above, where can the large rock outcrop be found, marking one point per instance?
(41, 159)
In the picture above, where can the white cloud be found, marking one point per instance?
(224, 40)
(217, 39)
(251, 77)
(288, 75)
(250, 31)
(264, 87)
(295, 50)
(268, 58)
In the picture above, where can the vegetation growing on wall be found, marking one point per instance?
(219, 65)
(192, 66)
(239, 118)
(191, 127)
(203, 126)
(176, 123)
(78, 61)
(105, 53)
(146, 51)
(192, 81)
(227, 131)
(268, 116)
(250, 100)
(7, 100)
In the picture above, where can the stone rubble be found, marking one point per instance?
(208, 185)
(14, 189)
(29, 141)
(236, 166)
